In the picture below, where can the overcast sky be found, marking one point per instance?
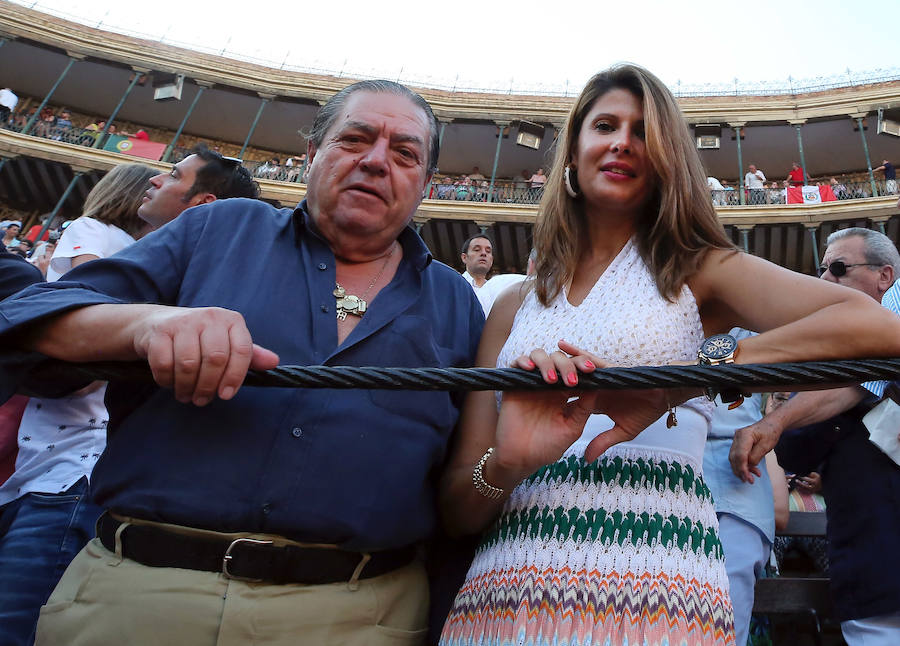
(522, 44)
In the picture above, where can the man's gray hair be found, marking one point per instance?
(329, 112)
(879, 248)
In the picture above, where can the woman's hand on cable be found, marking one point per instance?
(632, 411)
(535, 428)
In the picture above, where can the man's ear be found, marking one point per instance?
(887, 277)
(462, 257)
(310, 153)
(200, 198)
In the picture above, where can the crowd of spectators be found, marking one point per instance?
(27, 245)
(525, 188)
(760, 191)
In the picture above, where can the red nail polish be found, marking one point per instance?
(551, 376)
(589, 365)
(572, 379)
(530, 363)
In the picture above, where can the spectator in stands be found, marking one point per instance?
(270, 169)
(26, 245)
(294, 166)
(890, 176)
(861, 484)
(754, 182)
(464, 189)
(47, 516)
(745, 512)
(716, 191)
(476, 175)
(11, 234)
(522, 184)
(63, 125)
(216, 459)
(46, 123)
(200, 178)
(840, 191)
(536, 183)
(775, 194)
(43, 252)
(446, 190)
(477, 256)
(796, 175)
(8, 101)
(91, 133)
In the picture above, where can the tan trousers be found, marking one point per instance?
(105, 600)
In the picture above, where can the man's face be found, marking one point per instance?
(369, 174)
(873, 281)
(752, 168)
(165, 199)
(480, 258)
(13, 230)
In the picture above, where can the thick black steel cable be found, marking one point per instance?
(729, 376)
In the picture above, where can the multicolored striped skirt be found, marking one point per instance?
(620, 551)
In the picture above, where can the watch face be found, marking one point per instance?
(718, 346)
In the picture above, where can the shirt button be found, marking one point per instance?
(266, 508)
(297, 431)
(324, 308)
(322, 266)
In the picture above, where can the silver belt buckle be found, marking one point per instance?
(228, 557)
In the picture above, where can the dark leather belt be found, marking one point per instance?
(247, 559)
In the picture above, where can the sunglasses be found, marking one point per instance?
(233, 162)
(838, 268)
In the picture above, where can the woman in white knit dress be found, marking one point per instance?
(633, 268)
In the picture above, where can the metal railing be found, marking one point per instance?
(504, 191)
(840, 189)
(277, 172)
(66, 133)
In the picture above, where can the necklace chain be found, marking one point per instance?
(350, 303)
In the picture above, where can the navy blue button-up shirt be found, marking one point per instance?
(351, 467)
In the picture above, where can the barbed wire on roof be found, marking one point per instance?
(567, 88)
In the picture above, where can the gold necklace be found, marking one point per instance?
(350, 303)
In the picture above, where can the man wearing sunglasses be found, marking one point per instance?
(861, 484)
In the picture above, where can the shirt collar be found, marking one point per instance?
(414, 248)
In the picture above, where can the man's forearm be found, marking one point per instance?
(92, 333)
(815, 406)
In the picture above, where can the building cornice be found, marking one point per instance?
(80, 40)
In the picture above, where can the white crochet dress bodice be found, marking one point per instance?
(627, 322)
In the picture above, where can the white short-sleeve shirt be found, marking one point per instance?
(61, 439)
(86, 236)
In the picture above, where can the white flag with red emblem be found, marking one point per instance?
(810, 194)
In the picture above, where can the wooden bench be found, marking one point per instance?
(807, 596)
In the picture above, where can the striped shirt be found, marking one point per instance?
(890, 300)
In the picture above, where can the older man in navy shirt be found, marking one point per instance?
(267, 516)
